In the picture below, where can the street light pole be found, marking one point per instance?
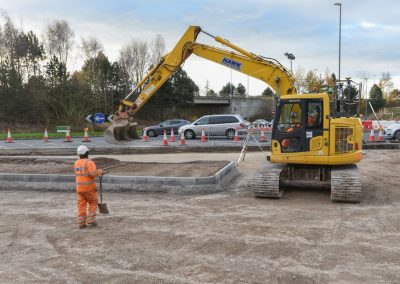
(340, 44)
(291, 57)
(366, 98)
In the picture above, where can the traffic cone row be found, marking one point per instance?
(182, 141)
(165, 140)
(145, 137)
(172, 136)
(86, 136)
(68, 135)
(203, 136)
(262, 137)
(380, 135)
(236, 138)
(9, 138)
(372, 135)
(46, 136)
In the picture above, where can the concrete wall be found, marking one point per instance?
(250, 109)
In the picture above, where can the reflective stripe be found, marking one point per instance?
(81, 175)
(85, 166)
(86, 182)
(93, 173)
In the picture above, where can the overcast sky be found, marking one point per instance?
(309, 29)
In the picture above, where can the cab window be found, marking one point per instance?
(314, 114)
(290, 117)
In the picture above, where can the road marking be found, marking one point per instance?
(26, 144)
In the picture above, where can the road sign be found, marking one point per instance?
(98, 118)
(89, 118)
(110, 117)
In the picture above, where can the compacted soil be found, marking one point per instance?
(228, 237)
(112, 166)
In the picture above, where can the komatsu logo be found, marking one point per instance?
(232, 63)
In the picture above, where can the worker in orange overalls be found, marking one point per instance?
(86, 173)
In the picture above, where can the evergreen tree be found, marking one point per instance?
(227, 90)
(376, 97)
(267, 92)
(241, 91)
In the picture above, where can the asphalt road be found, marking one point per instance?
(98, 142)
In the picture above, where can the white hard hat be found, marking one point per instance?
(82, 150)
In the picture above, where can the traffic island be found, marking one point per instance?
(197, 177)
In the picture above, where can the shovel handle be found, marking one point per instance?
(101, 189)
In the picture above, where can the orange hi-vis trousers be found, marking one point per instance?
(85, 198)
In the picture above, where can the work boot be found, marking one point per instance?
(93, 224)
(82, 226)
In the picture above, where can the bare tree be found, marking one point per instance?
(91, 47)
(134, 58)
(386, 84)
(299, 77)
(59, 39)
(157, 49)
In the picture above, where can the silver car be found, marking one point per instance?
(392, 132)
(216, 125)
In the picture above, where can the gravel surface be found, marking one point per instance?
(65, 166)
(220, 238)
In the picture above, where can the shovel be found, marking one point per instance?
(103, 209)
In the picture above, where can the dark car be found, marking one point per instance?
(155, 130)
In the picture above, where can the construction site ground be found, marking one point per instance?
(116, 167)
(228, 237)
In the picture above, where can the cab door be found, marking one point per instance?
(289, 128)
(314, 124)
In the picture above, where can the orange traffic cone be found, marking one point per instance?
(145, 137)
(203, 136)
(46, 136)
(86, 136)
(372, 135)
(380, 135)
(262, 137)
(9, 138)
(236, 139)
(182, 142)
(165, 140)
(68, 135)
(172, 137)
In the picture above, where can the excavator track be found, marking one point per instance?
(265, 182)
(345, 184)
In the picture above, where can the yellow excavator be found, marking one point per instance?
(309, 145)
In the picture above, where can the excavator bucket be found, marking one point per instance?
(121, 131)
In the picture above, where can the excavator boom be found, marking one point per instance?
(270, 71)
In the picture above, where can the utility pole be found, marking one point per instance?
(366, 98)
(340, 44)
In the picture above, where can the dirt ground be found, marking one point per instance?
(228, 237)
(116, 167)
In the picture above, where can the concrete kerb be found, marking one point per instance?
(176, 185)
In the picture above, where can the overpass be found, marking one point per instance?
(211, 101)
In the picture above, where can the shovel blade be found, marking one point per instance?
(103, 209)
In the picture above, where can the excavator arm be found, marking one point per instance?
(265, 69)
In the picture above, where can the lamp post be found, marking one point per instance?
(291, 57)
(366, 98)
(340, 42)
(348, 79)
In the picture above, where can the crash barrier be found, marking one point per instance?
(238, 135)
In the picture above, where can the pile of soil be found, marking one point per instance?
(65, 166)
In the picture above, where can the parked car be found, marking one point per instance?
(155, 130)
(217, 125)
(392, 132)
(261, 123)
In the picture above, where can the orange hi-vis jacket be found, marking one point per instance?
(86, 173)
